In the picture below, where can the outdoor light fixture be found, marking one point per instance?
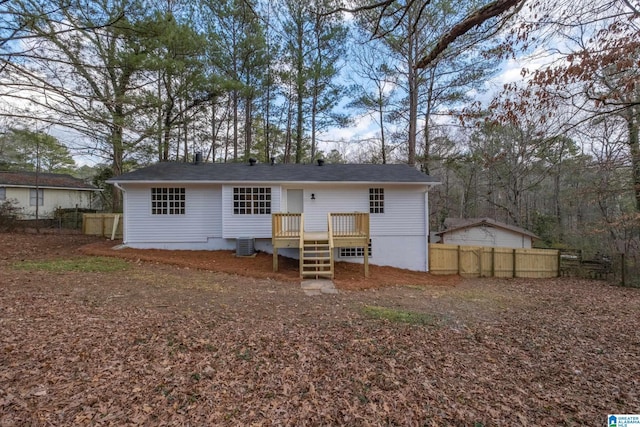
(313, 196)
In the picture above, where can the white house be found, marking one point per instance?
(211, 205)
(485, 232)
(49, 191)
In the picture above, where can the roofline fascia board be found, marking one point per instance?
(124, 182)
(49, 187)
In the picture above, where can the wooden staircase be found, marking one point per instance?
(316, 256)
(344, 230)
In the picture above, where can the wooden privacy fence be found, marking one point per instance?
(102, 224)
(483, 261)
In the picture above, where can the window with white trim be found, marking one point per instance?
(357, 252)
(252, 200)
(376, 200)
(36, 197)
(168, 200)
(3, 193)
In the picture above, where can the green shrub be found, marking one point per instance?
(9, 213)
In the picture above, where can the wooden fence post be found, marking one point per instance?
(493, 262)
(622, 266)
(514, 263)
(559, 261)
(459, 259)
(481, 252)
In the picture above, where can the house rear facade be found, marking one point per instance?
(211, 205)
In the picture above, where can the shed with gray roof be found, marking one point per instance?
(485, 232)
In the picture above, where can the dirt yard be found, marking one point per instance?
(348, 276)
(164, 338)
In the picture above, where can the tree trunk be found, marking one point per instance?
(248, 134)
(118, 155)
(185, 134)
(160, 121)
(267, 113)
(427, 119)
(212, 149)
(383, 147)
(412, 81)
(299, 89)
(168, 111)
(235, 125)
(314, 112)
(633, 126)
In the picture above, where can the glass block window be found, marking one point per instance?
(357, 252)
(376, 200)
(168, 200)
(252, 200)
(36, 197)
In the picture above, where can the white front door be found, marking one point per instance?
(295, 201)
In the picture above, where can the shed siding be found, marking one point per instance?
(487, 236)
(52, 200)
(202, 218)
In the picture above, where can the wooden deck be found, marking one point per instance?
(344, 230)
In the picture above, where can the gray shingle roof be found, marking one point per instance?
(240, 172)
(53, 180)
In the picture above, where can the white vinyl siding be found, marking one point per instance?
(254, 225)
(202, 218)
(403, 208)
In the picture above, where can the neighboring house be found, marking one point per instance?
(49, 191)
(211, 205)
(485, 232)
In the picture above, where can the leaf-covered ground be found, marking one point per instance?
(146, 343)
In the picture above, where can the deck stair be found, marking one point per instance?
(316, 256)
(316, 248)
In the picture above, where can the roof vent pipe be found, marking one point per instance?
(252, 161)
(320, 162)
(198, 158)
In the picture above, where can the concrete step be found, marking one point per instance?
(317, 274)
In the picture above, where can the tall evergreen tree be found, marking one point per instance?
(314, 47)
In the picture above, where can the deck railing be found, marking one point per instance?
(330, 225)
(287, 225)
(349, 224)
